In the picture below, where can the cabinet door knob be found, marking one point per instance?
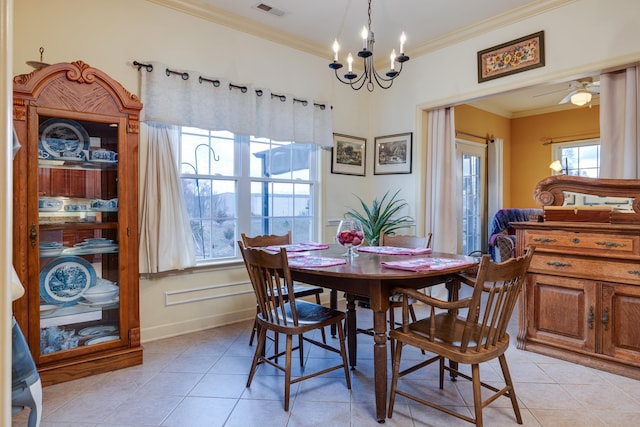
(605, 318)
(33, 234)
(590, 317)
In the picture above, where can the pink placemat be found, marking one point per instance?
(425, 264)
(315, 261)
(298, 247)
(393, 250)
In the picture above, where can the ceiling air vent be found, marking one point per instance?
(269, 9)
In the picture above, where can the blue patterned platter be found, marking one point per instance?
(63, 139)
(64, 280)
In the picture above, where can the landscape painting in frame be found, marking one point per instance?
(392, 154)
(348, 155)
(518, 55)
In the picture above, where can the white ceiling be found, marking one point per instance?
(316, 23)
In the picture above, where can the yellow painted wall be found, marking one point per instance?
(526, 158)
(479, 122)
(530, 159)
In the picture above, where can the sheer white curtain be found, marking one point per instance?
(495, 176)
(166, 241)
(442, 218)
(620, 124)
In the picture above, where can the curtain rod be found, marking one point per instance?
(488, 137)
(575, 137)
(216, 83)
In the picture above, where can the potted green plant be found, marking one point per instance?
(379, 217)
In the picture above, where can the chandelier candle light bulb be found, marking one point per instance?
(403, 39)
(393, 60)
(336, 48)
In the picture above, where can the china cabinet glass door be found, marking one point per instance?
(76, 235)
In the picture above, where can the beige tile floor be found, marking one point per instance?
(199, 379)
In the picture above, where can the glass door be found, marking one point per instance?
(76, 236)
(471, 181)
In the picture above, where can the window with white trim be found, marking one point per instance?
(579, 158)
(236, 184)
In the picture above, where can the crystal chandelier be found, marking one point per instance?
(369, 75)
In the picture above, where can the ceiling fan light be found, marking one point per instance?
(581, 98)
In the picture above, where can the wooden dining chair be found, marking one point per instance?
(395, 301)
(300, 291)
(471, 331)
(269, 274)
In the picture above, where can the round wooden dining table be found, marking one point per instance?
(364, 275)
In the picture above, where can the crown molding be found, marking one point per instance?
(224, 18)
(489, 24)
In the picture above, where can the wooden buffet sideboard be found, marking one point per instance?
(581, 302)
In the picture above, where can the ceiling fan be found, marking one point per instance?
(580, 92)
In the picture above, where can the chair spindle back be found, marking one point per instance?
(272, 284)
(495, 295)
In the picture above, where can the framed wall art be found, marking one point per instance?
(348, 155)
(511, 57)
(393, 154)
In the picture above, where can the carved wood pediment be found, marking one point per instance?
(551, 191)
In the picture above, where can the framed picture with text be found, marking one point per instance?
(392, 154)
(348, 155)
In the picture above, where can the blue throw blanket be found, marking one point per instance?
(501, 220)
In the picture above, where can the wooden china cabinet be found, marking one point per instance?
(75, 214)
(582, 298)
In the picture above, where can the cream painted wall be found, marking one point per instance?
(110, 34)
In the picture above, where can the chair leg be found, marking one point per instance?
(324, 337)
(477, 396)
(343, 353)
(512, 391)
(287, 372)
(394, 378)
(392, 325)
(253, 331)
(276, 346)
(301, 348)
(262, 337)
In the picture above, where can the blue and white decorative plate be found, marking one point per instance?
(63, 139)
(106, 338)
(64, 280)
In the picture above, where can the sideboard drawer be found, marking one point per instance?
(588, 268)
(606, 245)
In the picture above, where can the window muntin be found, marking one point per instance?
(579, 158)
(234, 184)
